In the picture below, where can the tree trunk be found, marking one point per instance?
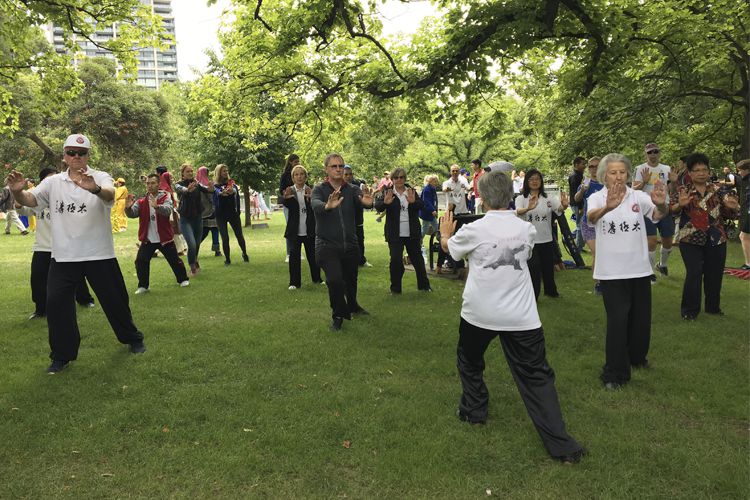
(248, 204)
(50, 158)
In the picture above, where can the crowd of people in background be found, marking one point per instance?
(506, 224)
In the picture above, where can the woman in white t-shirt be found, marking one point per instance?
(498, 301)
(300, 227)
(622, 266)
(534, 206)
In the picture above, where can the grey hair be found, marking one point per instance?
(496, 190)
(601, 172)
(397, 172)
(330, 157)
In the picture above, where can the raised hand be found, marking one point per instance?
(659, 194)
(564, 202)
(366, 197)
(335, 200)
(289, 193)
(308, 191)
(191, 187)
(447, 225)
(673, 173)
(16, 181)
(533, 202)
(683, 198)
(615, 195)
(645, 175)
(388, 198)
(86, 182)
(152, 201)
(411, 195)
(129, 201)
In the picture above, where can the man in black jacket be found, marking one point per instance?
(574, 182)
(335, 203)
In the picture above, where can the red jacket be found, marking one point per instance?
(163, 225)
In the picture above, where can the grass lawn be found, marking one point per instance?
(244, 392)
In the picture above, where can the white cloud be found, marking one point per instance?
(196, 28)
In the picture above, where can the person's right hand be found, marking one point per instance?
(447, 225)
(533, 202)
(16, 181)
(645, 175)
(288, 193)
(129, 201)
(334, 200)
(615, 195)
(683, 198)
(388, 198)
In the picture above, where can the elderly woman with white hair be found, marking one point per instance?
(498, 247)
(622, 266)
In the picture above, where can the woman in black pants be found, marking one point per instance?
(227, 203)
(403, 229)
(300, 227)
(534, 206)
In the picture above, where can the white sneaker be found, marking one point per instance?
(185, 283)
(292, 287)
(141, 290)
(367, 264)
(302, 256)
(286, 261)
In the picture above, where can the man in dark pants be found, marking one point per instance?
(359, 216)
(335, 202)
(574, 182)
(79, 200)
(155, 233)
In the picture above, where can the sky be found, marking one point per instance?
(197, 25)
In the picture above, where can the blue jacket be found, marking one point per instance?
(429, 203)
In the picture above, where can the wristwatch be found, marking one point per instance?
(98, 190)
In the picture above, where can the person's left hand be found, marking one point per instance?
(564, 202)
(447, 225)
(659, 194)
(411, 195)
(86, 182)
(366, 197)
(191, 187)
(152, 201)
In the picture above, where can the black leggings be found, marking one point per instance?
(542, 269)
(236, 224)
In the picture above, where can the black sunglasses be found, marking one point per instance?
(399, 177)
(76, 153)
(653, 152)
(336, 165)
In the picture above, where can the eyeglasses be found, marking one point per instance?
(653, 152)
(398, 177)
(336, 165)
(70, 152)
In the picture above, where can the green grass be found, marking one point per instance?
(245, 393)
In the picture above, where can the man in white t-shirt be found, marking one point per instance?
(455, 189)
(79, 201)
(646, 175)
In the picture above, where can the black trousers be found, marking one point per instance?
(39, 271)
(414, 251)
(143, 261)
(526, 356)
(341, 268)
(704, 265)
(628, 306)
(236, 225)
(295, 264)
(108, 285)
(542, 269)
(361, 241)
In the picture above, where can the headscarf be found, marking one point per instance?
(202, 176)
(165, 182)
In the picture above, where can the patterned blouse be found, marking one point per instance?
(702, 221)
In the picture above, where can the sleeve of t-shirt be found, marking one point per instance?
(647, 206)
(445, 185)
(462, 243)
(594, 202)
(521, 202)
(105, 181)
(41, 193)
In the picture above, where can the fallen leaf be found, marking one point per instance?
(14, 409)
(347, 444)
(389, 372)
(489, 492)
(165, 429)
(247, 430)
(336, 414)
(107, 474)
(76, 452)
(302, 386)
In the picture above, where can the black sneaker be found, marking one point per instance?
(246, 258)
(465, 418)
(573, 458)
(612, 386)
(716, 313)
(653, 279)
(336, 324)
(663, 270)
(689, 317)
(227, 263)
(745, 267)
(138, 347)
(361, 311)
(36, 315)
(57, 366)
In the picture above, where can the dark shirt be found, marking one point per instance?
(574, 182)
(226, 207)
(285, 182)
(702, 221)
(429, 202)
(191, 203)
(336, 228)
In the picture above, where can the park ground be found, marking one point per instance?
(244, 392)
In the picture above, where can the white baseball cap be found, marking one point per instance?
(77, 141)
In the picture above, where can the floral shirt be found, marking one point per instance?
(702, 221)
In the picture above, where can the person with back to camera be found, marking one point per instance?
(79, 200)
(300, 227)
(401, 205)
(622, 265)
(498, 247)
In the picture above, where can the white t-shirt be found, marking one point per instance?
(498, 294)
(403, 218)
(80, 221)
(457, 193)
(43, 238)
(541, 216)
(621, 246)
(300, 194)
(660, 172)
(152, 234)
